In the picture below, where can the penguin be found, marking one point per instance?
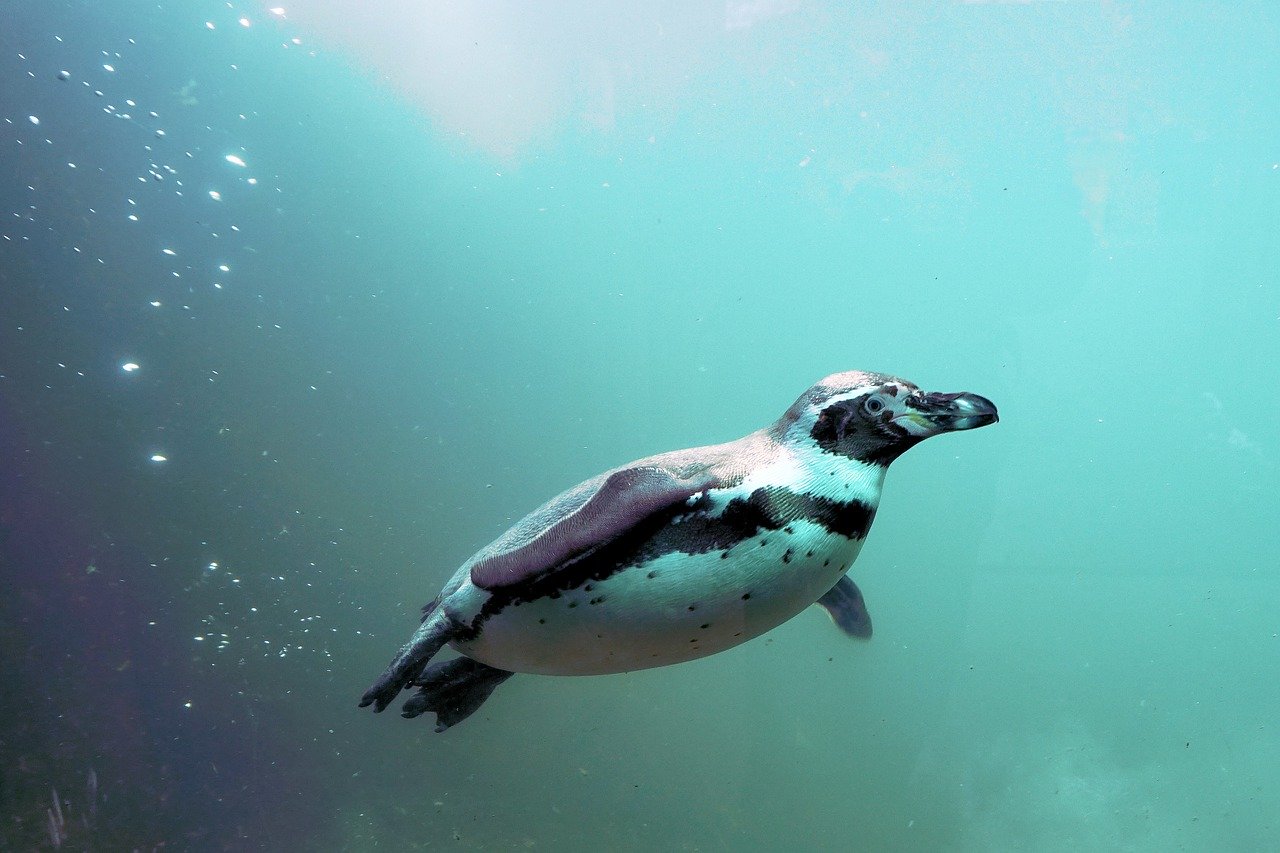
(679, 555)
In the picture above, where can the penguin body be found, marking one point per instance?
(679, 555)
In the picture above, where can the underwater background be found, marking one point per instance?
(300, 307)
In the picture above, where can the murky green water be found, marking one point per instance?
(288, 329)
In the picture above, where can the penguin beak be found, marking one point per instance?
(934, 413)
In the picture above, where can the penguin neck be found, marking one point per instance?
(842, 478)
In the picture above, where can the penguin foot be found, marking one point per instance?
(436, 630)
(454, 689)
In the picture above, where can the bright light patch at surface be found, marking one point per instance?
(508, 76)
(33, 119)
(234, 160)
(215, 195)
(159, 457)
(129, 366)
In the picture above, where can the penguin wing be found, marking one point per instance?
(846, 607)
(586, 516)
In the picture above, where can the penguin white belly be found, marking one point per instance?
(674, 608)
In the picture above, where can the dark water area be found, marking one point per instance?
(149, 594)
(288, 332)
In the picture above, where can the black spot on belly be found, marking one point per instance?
(651, 575)
(705, 625)
(764, 542)
(573, 604)
(724, 555)
(693, 607)
(746, 595)
(542, 621)
(786, 556)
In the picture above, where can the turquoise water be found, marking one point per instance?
(479, 253)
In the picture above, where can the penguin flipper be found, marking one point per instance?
(594, 513)
(454, 689)
(846, 607)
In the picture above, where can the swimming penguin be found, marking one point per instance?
(679, 555)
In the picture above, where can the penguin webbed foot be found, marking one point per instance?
(383, 692)
(426, 642)
(453, 689)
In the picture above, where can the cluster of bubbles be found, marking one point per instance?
(163, 168)
(149, 149)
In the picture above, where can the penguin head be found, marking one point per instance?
(875, 418)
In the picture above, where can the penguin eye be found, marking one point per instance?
(873, 405)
